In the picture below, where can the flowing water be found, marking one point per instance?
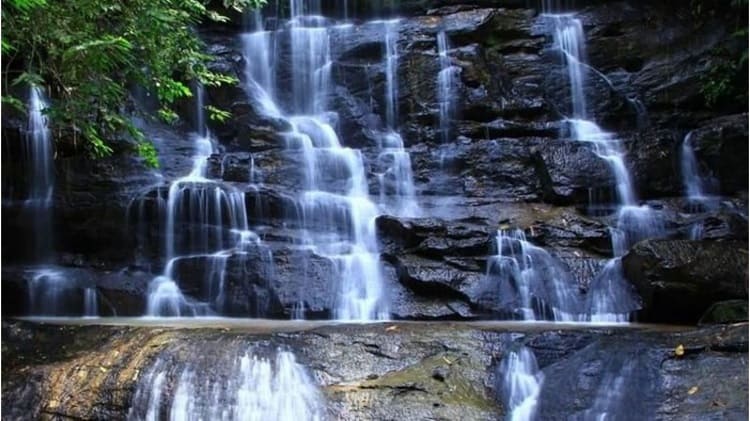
(610, 296)
(543, 288)
(397, 193)
(521, 384)
(90, 303)
(39, 182)
(251, 387)
(204, 220)
(446, 82)
(699, 188)
(335, 210)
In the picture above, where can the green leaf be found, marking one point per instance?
(147, 151)
(14, 102)
(28, 78)
(217, 114)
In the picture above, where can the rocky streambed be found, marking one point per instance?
(383, 371)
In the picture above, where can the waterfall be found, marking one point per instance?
(542, 286)
(610, 298)
(521, 383)
(334, 211)
(691, 177)
(698, 187)
(391, 76)
(446, 86)
(217, 224)
(612, 398)
(90, 303)
(46, 292)
(250, 388)
(40, 172)
(397, 192)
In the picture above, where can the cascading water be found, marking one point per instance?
(397, 192)
(204, 219)
(698, 188)
(691, 177)
(38, 156)
(253, 388)
(521, 384)
(610, 297)
(334, 211)
(542, 288)
(446, 86)
(90, 303)
(611, 400)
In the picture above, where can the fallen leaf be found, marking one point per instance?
(693, 390)
(391, 328)
(448, 361)
(679, 351)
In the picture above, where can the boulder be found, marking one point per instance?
(721, 149)
(680, 279)
(569, 170)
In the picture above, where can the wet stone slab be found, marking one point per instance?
(236, 369)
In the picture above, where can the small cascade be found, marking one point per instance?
(204, 219)
(47, 292)
(542, 287)
(391, 76)
(521, 384)
(311, 58)
(691, 177)
(90, 303)
(611, 400)
(446, 83)
(57, 292)
(397, 193)
(698, 188)
(250, 388)
(570, 40)
(340, 219)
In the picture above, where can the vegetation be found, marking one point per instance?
(86, 53)
(725, 80)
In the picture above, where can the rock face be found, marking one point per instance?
(509, 161)
(415, 371)
(680, 279)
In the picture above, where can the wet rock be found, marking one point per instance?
(568, 170)
(564, 228)
(59, 291)
(231, 167)
(473, 169)
(679, 279)
(305, 281)
(235, 285)
(654, 163)
(721, 148)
